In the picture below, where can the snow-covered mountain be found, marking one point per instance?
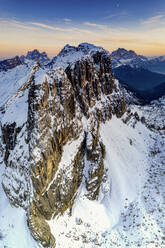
(29, 60)
(125, 56)
(122, 57)
(8, 64)
(35, 55)
(79, 166)
(71, 54)
(143, 75)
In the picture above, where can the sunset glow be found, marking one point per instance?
(120, 26)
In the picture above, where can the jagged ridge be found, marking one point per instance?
(62, 107)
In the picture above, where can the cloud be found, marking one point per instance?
(119, 14)
(144, 39)
(153, 20)
(14, 23)
(37, 26)
(67, 20)
(72, 29)
(42, 25)
(99, 26)
(121, 41)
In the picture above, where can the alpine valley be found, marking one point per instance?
(82, 153)
(145, 76)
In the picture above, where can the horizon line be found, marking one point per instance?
(51, 55)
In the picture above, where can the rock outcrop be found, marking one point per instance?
(55, 145)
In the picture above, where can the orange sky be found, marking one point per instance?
(19, 37)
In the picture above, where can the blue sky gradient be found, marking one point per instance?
(78, 10)
(110, 23)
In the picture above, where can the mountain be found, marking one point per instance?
(31, 57)
(79, 167)
(127, 57)
(35, 55)
(70, 54)
(140, 74)
(124, 57)
(157, 64)
(8, 64)
(138, 78)
(122, 54)
(153, 94)
(142, 97)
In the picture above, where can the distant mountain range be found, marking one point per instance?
(35, 55)
(8, 64)
(138, 78)
(120, 57)
(30, 57)
(140, 74)
(145, 84)
(124, 57)
(143, 75)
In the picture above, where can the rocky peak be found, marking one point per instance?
(128, 57)
(122, 53)
(8, 64)
(85, 48)
(54, 146)
(67, 48)
(35, 55)
(71, 54)
(122, 57)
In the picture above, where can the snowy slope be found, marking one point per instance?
(70, 54)
(129, 211)
(11, 81)
(128, 214)
(13, 227)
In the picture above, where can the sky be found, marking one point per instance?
(49, 25)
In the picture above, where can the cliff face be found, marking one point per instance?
(53, 145)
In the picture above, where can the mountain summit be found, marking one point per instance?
(71, 54)
(122, 53)
(122, 57)
(35, 55)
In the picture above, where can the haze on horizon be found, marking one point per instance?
(50, 25)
